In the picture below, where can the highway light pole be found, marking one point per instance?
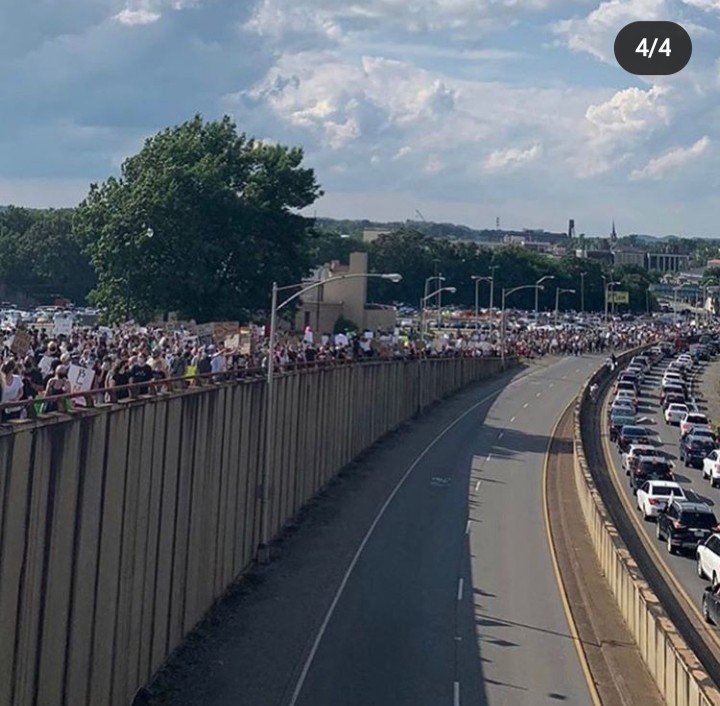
(437, 292)
(479, 279)
(558, 292)
(546, 278)
(263, 553)
(506, 292)
(608, 287)
(439, 278)
(582, 293)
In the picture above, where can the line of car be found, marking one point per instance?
(685, 521)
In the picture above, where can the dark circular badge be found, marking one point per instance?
(653, 48)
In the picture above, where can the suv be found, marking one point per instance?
(685, 524)
(650, 468)
(695, 449)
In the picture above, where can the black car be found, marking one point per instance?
(711, 604)
(650, 468)
(632, 434)
(673, 398)
(685, 524)
(694, 449)
(617, 422)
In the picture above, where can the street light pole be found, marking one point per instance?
(506, 292)
(546, 278)
(479, 279)
(558, 292)
(582, 293)
(263, 549)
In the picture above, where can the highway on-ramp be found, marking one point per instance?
(453, 598)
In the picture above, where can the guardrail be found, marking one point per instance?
(675, 668)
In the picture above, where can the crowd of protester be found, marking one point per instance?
(131, 360)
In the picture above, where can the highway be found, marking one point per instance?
(683, 567)
(453, 599)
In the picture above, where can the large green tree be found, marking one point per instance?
(41, 257)
(201, 221)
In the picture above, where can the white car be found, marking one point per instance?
(711, 468)
(653, 495)
(689, 421)
(627, 395)
(708, 559)
(624, 403)
(635, 452)
(675, 412)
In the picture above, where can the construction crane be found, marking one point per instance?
(421, 216)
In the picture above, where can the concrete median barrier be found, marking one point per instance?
(676, 670)
(121, 524)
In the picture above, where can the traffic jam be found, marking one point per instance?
(655, 392)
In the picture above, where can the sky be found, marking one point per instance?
(465, 111)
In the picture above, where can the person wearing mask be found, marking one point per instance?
(12, 390)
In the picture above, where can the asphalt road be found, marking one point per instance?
(453, 599)
(683, 566)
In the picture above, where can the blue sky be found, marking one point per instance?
(467, 110)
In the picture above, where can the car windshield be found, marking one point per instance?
(654, 468)
(701, 444)
(694, 518)
(634, 431)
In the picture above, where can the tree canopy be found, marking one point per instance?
(41, 258)
(201, 221)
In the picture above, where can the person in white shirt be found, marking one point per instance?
(12, 390)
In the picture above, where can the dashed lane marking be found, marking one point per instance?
(460, 589)
(456, 693)
(525, 405)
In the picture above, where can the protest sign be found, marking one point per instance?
(22, 342)
(81, 380)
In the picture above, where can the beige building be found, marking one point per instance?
(371, 234)
(321, 307)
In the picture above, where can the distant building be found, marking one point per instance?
(713, 263)
(667, 262)
(629, 257)
(321, 307)
(371, 234)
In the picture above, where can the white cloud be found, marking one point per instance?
(501, 160)
(141, 16)
(595, 34)
(613, 128)
(673, 160)
(704, 4)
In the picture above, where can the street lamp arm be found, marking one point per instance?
(336, 278)
(508, 292)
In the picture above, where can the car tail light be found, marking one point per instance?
(653, 501)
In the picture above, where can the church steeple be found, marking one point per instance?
(613, 235)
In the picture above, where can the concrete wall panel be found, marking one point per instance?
(121, 525)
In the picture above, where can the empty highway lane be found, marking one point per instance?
(453, 598)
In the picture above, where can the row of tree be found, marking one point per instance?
(203, 219)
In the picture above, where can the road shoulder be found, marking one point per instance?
(618, 671)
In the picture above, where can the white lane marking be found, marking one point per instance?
(578, 370)
(564, 377)
(467, 527)
(552, 384)
(460, 589)
(489, 456)
(477, 486)
(456, 693)
(512, 419)
(525, 405)
(538, 394)
(500, 435)
(356, 557)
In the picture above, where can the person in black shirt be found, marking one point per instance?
(119, 376)
(139, 373)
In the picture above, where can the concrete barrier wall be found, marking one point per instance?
(678, 673)
(121, 525)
